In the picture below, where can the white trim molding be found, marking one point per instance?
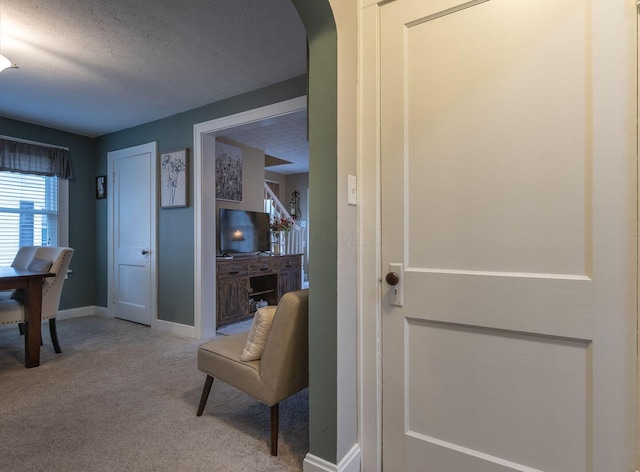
(169, 327)
(204, 208)
(369, 242)
(349, 463)
(176, 329)
(79, 312)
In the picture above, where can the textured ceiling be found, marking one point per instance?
(284, 137)
(93, 67)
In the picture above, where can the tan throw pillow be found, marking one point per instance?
(258, 334)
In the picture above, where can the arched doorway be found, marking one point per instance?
(325, 246)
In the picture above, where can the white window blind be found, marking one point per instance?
(28, 212)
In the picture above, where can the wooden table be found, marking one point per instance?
(31, 282)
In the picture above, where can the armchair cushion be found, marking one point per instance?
(258, 334)
(222, 356)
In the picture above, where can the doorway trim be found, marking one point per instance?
(369, 242)
(204, 223)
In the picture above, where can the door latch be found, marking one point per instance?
(393, 279)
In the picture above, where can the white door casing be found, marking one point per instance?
(508, 190)
(132, 255)
(204, 205)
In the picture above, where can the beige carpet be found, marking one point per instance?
(122, 397)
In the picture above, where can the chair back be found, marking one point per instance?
(60, 258)
(52, 286)
(284, 367)
(24, 257)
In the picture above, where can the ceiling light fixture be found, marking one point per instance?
(5, 63)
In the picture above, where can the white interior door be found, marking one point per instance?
(132, 222)
(509, 195)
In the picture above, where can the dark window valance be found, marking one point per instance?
(27, 158)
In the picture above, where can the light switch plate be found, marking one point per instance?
(352, 190)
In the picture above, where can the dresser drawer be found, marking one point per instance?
(263, 266)
(289, 263)
(232, 268)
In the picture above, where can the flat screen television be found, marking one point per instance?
(243, 231)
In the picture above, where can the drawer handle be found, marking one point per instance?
(264, 268)
(288, 266)
(234, 272)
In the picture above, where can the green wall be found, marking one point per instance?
(79, 289)
(175, 226)
(323, 182)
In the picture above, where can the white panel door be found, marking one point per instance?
(508, 190)
(133, 292)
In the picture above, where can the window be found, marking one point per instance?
(30, 212)
(34, 196)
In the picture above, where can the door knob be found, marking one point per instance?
(145, 252)
(392, 278)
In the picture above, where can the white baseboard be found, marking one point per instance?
(70, 313)
(80, 311)
(349, 463)
(177, 329)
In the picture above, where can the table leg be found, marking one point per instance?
(33, 305)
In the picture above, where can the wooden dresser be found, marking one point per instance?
(245, 278)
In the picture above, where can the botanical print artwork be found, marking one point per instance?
(173, 179)
(228, 172)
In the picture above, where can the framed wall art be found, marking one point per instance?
(101, 187)
(173, 178)
(228, 172)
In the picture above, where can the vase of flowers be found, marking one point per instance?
(279, 229)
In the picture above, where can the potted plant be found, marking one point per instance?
(279, 228)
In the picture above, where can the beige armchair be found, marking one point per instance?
(12, 308)
(282, 370)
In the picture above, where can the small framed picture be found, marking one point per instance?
(101, 186)
(174, 175)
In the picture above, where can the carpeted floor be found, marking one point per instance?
(235, 327)
(123, 397)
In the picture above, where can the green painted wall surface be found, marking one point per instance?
(321, 33)
(175, 226)
(79, 289)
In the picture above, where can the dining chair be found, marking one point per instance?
(48, 258)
